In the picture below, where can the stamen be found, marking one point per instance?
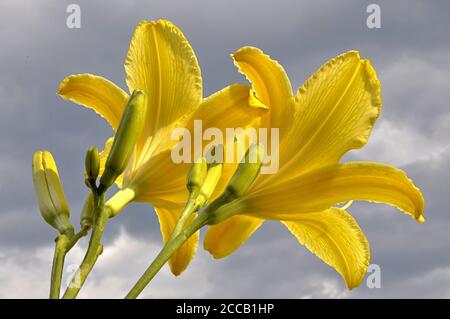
(347, 205)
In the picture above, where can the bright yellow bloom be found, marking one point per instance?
(332, 113)
(161, 62)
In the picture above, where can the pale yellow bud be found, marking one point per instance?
(49, 193)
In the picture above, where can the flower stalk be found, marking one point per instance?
(103, 212)
(57, 267)
(241, 181)
(62, 246)
(93, 252)
(169, 249)
(95, 212)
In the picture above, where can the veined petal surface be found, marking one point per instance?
(161, 177)
(224, 238)
(161, 62)
(96, 93)
(334, 236)
(336, 109)
(324, 187)
(271, 84)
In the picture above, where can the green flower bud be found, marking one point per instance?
(243, 178)
(209, 185)
(87, 213)
(246, 172)
(49, 193)
(196, 176)
(130, 128)
(92, 163)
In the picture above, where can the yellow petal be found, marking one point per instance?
(161, 177)
(336, 110)
(161, 62)
(334, 236)
(230, 107)
(224, 238)
(270, 82)
(97, 93)
(327, 186)
(167, 220)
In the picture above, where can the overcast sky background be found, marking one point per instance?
(411, 53)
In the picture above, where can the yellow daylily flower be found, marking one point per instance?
(161, 62)
(332, 113)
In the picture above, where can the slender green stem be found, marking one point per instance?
(176, 240)
(190, 208)
(169, 249)
(90, 258)
(57, 267)
(62, 246)
(95, 248)
(76, 238)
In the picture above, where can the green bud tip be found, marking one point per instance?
(87, 213)
(247, 171)
(243, 178)
(130, 128)
(92, 164)
(49, 192)
(197, 175)
(209, 185)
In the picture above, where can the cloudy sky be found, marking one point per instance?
(411, 53)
